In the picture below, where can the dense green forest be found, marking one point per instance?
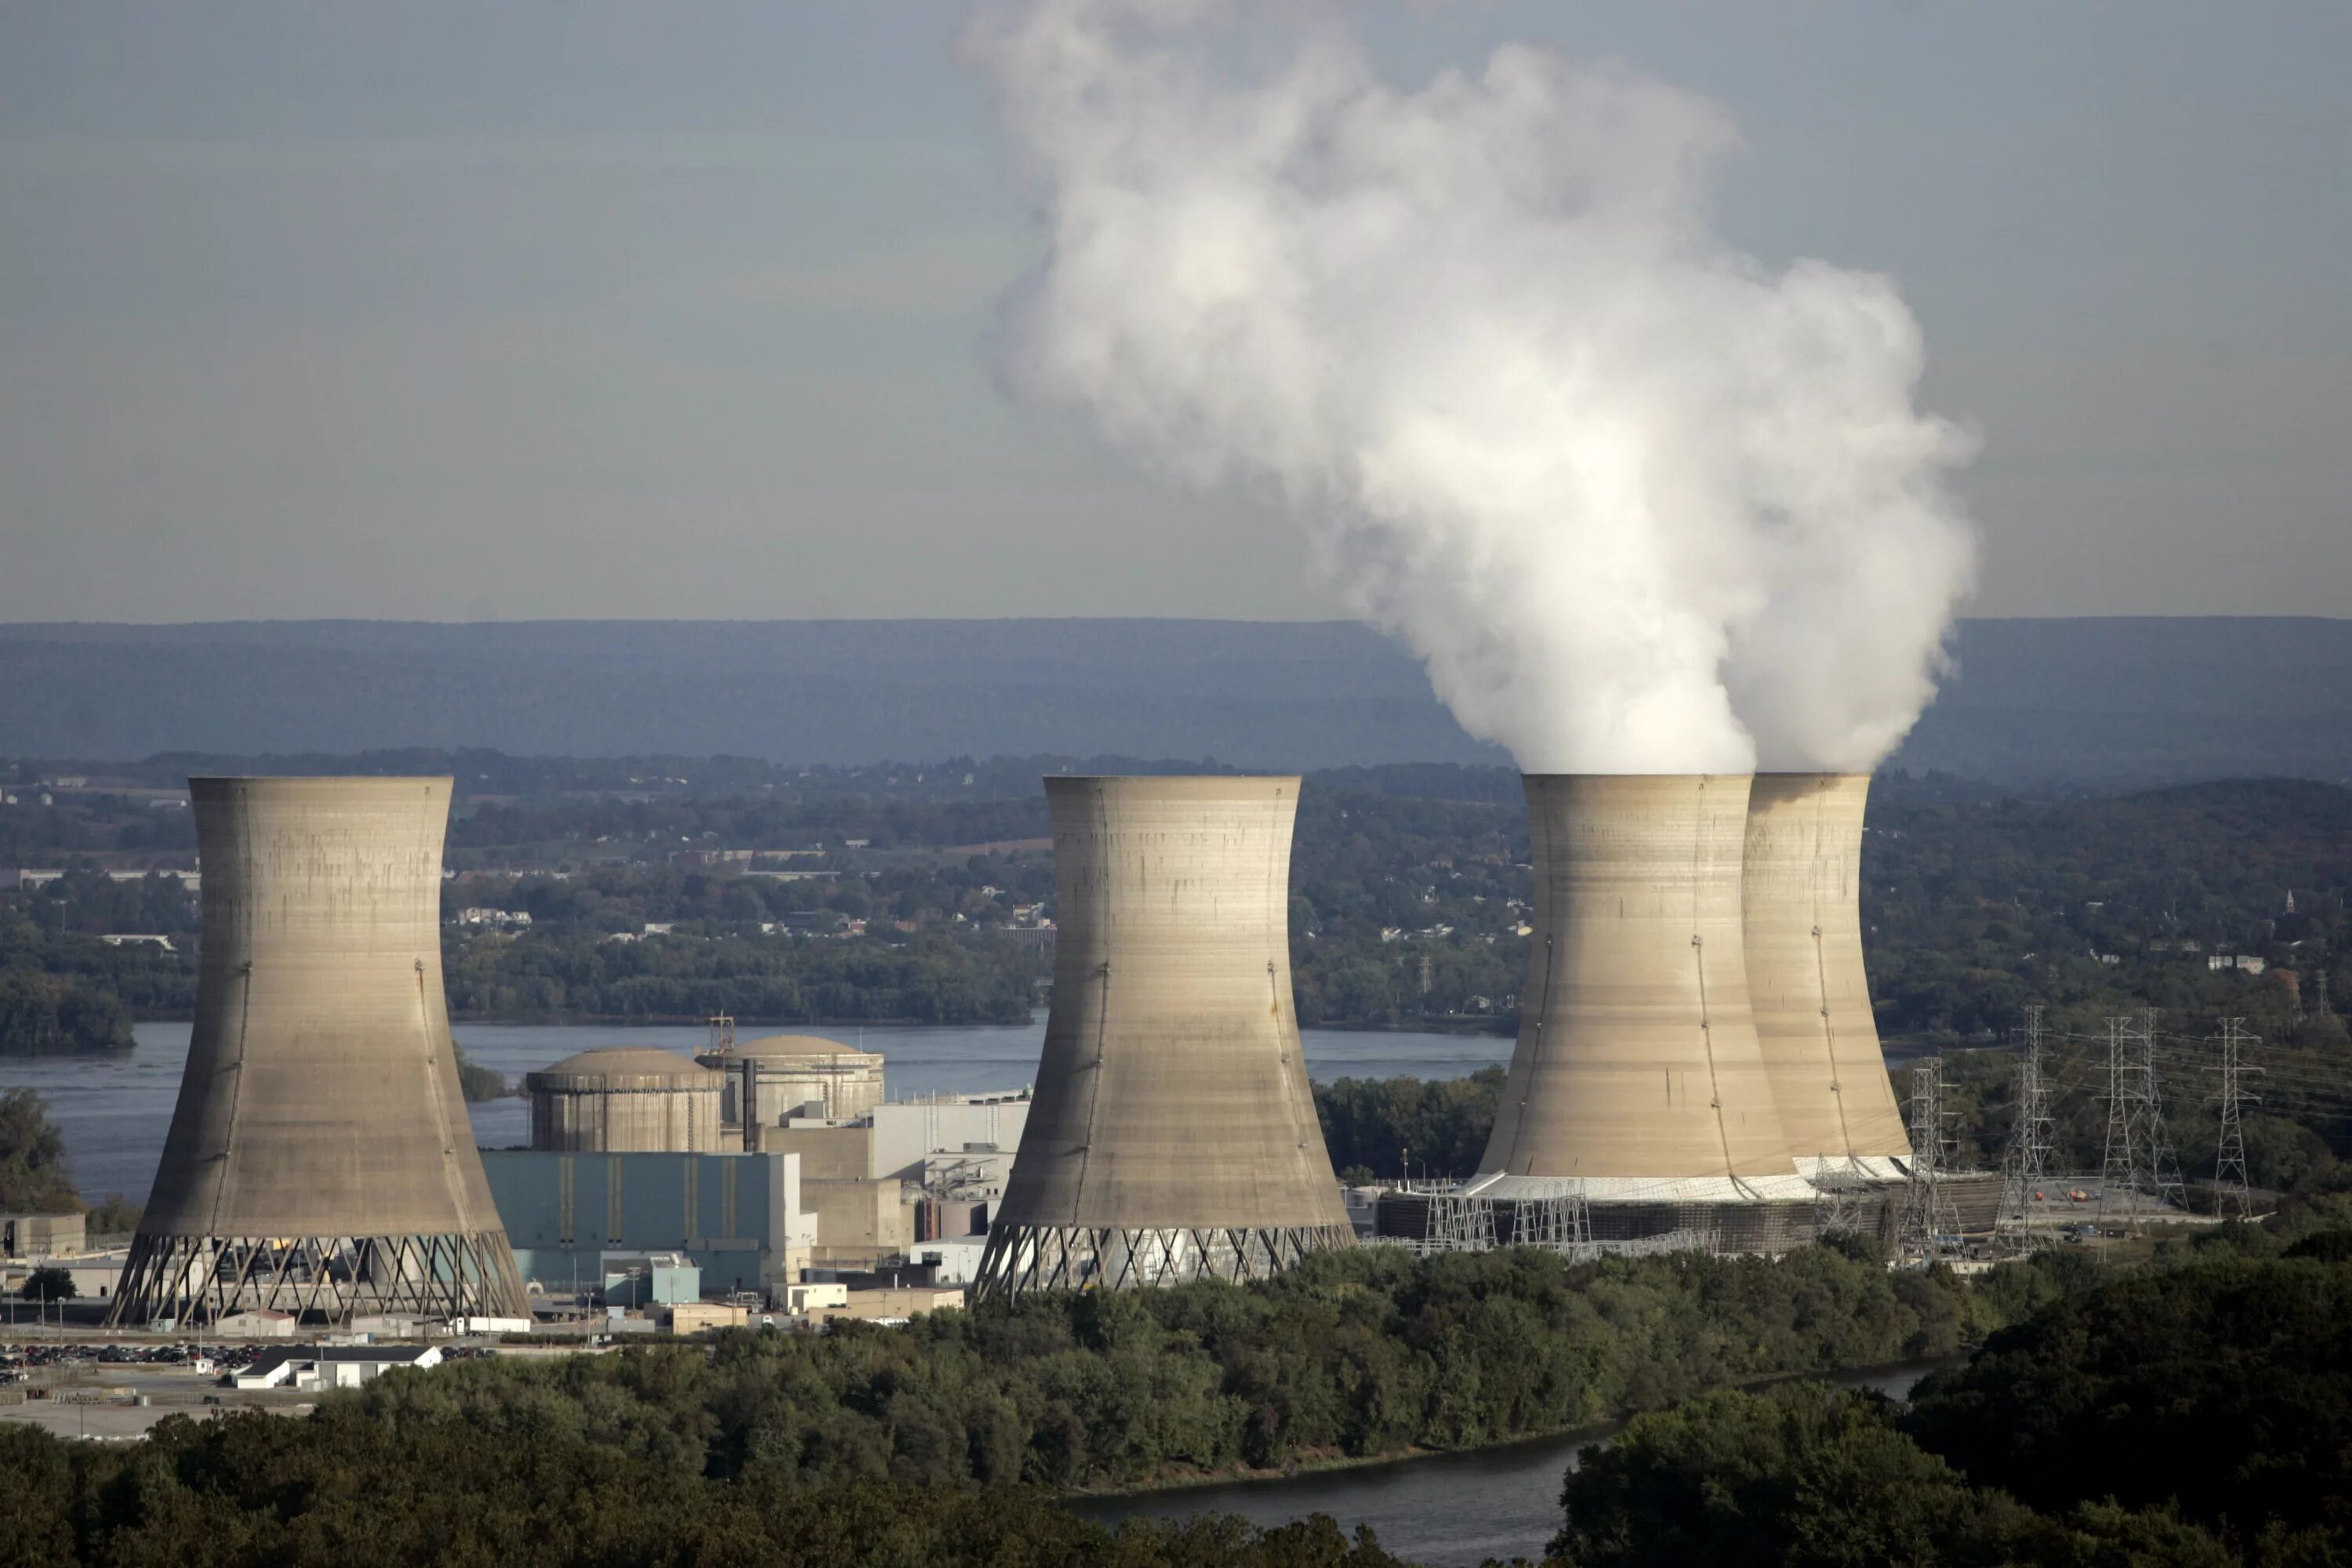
(2195, 1416)
(917, 892)
(1357, 1353)
(259, 1491)
(687, 1453)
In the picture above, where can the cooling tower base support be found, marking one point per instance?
(200, 1279)
(1022, 1258)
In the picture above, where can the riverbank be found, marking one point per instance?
(1332, 1461)
(1439, 1509)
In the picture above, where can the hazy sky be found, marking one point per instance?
(463, 310)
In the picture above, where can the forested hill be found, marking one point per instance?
(2085, 703)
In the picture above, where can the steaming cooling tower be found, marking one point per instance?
(320, 1160)
(1637, 1083)
(1173, 1135)
(1803, 918)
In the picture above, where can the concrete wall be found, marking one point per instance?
(859, 1218)
(904, 1134)
(41, 1235)
(1637, 1054)
(1172, 1091)
(826, 1153)
(1801, 914)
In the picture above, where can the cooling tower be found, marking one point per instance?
(320, 1160)
(1801, 901)
(1173, 1134)
(1637, 1079)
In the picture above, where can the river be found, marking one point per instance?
(114, 1110)
(1443, 1510)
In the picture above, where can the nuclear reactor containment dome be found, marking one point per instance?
(1637, 1077)
(625, 1098)
(1801, 908)
(1173, 1133)
(320, 1160)
(796, 1075)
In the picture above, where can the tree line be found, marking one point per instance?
(2197, 1417)
(1408, 887)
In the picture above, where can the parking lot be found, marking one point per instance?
(119, 1391)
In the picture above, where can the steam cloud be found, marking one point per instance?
(1642, 503)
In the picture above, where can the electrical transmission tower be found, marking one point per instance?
(2163, 1164)
(2232, 1190)
(2025, 1165)
(2118, 1167)
(2140, 1162)
(1928, 1219)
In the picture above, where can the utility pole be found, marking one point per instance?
(1927, 1215)
(2231, 1188)
(2025, 1165)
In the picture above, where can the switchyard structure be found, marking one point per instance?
(1638, 1085)
(1807, 990)
(1174, 1133)
(320, 1160)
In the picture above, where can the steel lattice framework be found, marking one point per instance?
(1020, 1259)
(1929, 1220)
(2232, 1190)
(202, 1279)
(2025, 1166)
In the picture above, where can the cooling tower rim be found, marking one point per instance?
(321, 784)
(1748, 773)
(1637, 778)
(1192, 782)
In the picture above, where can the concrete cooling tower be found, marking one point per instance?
(1801, 910)
(1173, 1134)
(1638, 1084)
(321, 1160)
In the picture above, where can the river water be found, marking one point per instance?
(114, 1110)
(1445, 1510)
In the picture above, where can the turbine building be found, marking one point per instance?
(1174, 1133)
(320, 1160)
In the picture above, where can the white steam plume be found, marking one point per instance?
(1642, 503)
